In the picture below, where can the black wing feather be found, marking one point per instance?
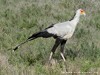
(50, 26)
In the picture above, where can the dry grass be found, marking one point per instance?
(21, 18)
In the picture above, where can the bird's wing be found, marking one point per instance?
(50, 26)
(60, 29)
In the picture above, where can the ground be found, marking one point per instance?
(21, 18)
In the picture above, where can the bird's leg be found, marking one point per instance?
(63, 42)
(57, 42)
(50, 56)
(62, 55)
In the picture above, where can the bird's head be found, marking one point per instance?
(81, 12)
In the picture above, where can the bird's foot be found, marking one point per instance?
(62, 56)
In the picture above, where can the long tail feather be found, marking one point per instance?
(34, 36)
(20, 45)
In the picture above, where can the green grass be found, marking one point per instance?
(21, 18)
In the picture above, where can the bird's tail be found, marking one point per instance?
(19, 45)
(34, 36)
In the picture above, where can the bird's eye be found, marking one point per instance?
(81, 11)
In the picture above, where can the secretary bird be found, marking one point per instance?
(61, 32)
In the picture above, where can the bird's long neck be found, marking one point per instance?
(76, 18)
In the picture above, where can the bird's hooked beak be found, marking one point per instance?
(82, 12)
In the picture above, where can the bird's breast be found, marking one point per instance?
(68, 34)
